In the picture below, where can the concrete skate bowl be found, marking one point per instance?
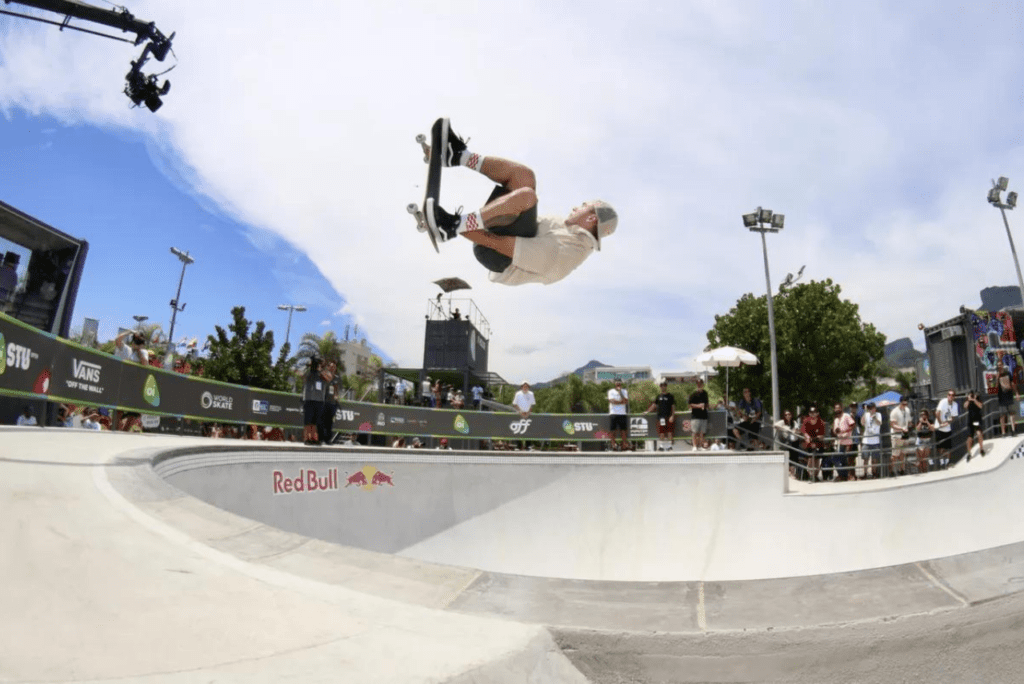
(649, 568)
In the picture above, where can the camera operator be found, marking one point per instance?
(135, 352)
(313, 394)
(332, 385)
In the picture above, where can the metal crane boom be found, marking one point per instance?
(140, 88)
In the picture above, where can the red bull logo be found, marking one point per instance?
(306, 481)
(369, 478)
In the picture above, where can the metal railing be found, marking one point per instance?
(917, 455)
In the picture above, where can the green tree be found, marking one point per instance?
(824, 349)
(245, 358)
(571, 395)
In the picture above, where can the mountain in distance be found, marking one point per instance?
(561, 378)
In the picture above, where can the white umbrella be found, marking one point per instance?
(727, 356)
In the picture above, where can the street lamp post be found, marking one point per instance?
(764, 221)
(290, 308)
(998, 187)
(185, 261)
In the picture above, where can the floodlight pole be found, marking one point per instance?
(1013, 250)
(995, 200)
(767, 222)
(185, 261)
(290, 308)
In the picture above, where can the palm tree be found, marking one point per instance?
(326, 347)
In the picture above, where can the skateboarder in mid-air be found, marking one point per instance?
(509, 239)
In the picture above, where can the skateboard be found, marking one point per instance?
(432, 156)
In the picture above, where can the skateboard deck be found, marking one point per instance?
(433, 156)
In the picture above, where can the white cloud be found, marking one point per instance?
(874, 129)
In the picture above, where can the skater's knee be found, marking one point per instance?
(522, 177)
(527, 197)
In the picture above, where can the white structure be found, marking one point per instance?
(356, 356)
(624, 373)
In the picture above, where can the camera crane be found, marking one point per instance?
(140, 88)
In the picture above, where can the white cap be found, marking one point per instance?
(607, 219)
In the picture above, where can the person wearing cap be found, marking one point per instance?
(443, 446)
(665, 403)
(524, 400)
(8, 279)
(510, 240)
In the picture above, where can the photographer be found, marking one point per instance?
(313, 394)
(135, 352)
(332, 385)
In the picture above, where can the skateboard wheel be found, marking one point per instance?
(421, 138)
(411, 208)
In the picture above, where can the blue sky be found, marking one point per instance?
(104, 186)
(283, 158)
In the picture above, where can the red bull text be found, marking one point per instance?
(308, 481)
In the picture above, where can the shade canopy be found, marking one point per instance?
(727, 356)
(452, 284)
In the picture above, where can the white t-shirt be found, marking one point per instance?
(126, 353)
(899, 418)
(524, 401)
(872, 428)
(555, 252)
(617, 409)
(945, 412)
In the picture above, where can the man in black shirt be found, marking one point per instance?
(699, 417)
(666, 405)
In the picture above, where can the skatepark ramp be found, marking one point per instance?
(636, 519)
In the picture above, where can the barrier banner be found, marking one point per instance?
(470, 424)
(266, 407)
(84, 376)
(33, 363)
(25, 358)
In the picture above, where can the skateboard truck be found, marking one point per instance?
(421, 221)
(422, 140)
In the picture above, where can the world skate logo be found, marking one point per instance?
(461, 425)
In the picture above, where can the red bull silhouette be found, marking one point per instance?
(357, 478)
(380, 479)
